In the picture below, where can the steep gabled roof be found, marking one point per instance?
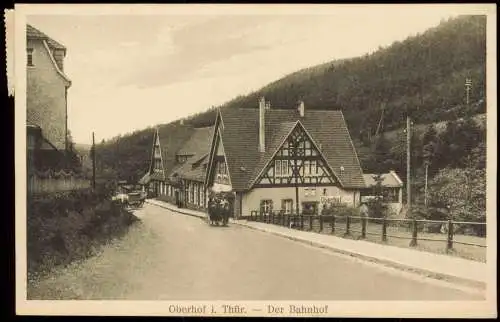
(49, 44)
(199, 142)
(33, 33)
(240, 135)
(198, 147)
(172, 138)
(390, 180)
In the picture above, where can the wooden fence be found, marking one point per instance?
(38, 184)
(447, 233)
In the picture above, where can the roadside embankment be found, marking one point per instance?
(68, 226)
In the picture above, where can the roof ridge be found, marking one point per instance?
(43, 35)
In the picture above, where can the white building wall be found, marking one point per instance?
(251, 199)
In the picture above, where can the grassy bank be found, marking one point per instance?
(64, 227)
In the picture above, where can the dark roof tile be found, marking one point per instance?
(32, 32)
(184, 140)
(240, 132)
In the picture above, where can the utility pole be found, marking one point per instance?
(425, 189)
(380, 122)
(93, 161)
(468, 86)
(408, 164)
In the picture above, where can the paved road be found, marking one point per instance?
(168, 256)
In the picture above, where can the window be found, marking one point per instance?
(196, 191)
(191, 192)
(277, 166)
(282, 168)
(266, 206)
(30, 57)
(287, 205)
(157, 165)
(285, 168)
(182, 158)
(391, 195)
(310, 192)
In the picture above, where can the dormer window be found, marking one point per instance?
(30, 56)
(181, 158)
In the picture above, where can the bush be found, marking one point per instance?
(377, 208)
(62, 227)
(339, 210)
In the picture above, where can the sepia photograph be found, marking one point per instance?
(261, 160)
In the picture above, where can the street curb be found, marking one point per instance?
(175, 209)
(392, 264)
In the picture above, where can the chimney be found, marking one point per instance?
(301, 108)
(262, 128)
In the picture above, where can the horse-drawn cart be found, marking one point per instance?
(218, 209)
(136, 199)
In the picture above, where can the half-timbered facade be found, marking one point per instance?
(178, 165)
(283, 159)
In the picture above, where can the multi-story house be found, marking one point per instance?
(47, 88)
(179, 160)
(283, 159)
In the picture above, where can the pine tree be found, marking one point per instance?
(430, 147)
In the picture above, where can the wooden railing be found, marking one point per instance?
(413, 230)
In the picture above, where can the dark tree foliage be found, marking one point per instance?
(430, 147)
(422, 76)
(377, 206)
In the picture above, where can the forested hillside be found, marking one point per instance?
(422, 76)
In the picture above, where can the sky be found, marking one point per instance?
(129, 72)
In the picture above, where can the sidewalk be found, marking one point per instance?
(437, 266)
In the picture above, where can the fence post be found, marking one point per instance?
(302, 221)
(320, 224)
(333, 224)
(449, 244)
(311, 222)
(363, 227)
(384, 229)
(413, 241)
(273, 218)
(347, 226)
